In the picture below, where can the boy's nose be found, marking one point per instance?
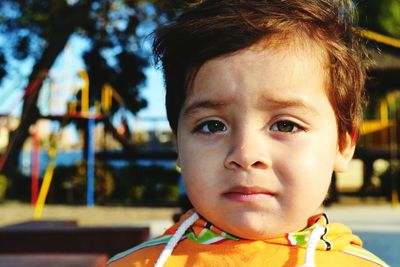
(247, 153)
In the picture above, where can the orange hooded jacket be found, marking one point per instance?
(205, 245)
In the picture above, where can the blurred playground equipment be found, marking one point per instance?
(86, 117)
(380, 133)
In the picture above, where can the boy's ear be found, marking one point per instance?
(345, 152)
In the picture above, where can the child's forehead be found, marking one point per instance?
(277, 51)
(282, 44)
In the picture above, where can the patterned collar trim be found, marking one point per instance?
(204, 232)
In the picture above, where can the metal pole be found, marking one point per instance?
(90, 162)
(391, 99)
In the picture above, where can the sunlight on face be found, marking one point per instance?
(257, 140)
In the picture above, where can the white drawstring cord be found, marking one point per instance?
(312, 245)
(310, 251)
(175, 239)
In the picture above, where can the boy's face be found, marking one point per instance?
(257, 140)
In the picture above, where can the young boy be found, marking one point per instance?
(264, 99)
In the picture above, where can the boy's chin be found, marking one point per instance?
(250, 226)
(251, 231)
(261, 234)
(250, 235)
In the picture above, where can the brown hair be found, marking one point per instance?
(213, 28)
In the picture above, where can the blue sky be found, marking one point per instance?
(153, 92)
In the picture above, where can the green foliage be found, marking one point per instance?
(137, 185)
(390, 181)
(146, 185)
(70, 183)
(382, 16)
(390, 18)
(155, 184)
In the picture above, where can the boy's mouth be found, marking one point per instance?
(248, 194)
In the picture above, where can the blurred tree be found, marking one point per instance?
(38, 30)
(382, 16)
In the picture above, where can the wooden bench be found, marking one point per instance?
(68, 237)
(53, 260)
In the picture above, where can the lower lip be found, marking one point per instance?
(241, 197)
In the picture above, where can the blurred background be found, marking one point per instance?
(82, 120)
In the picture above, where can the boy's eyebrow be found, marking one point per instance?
(202, 104)
(277, 103)
(264, 102)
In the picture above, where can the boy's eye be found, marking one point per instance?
(285, 127)
(211, 126)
